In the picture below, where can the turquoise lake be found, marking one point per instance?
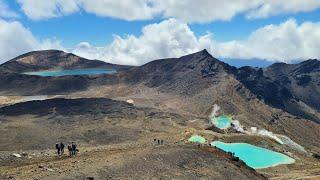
(253, 156)
(222, 122)
(71, 72)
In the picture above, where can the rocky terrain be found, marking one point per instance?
(120, 136)
(291, 87)
(115, 118)
(95, 121)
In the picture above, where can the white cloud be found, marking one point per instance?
(172, 38)
(15, 40)
(185, 10)
(5, 11)
(211, 10)
(276, 7)
(40, 9)
(285, 42)
(205, 10)
(128, 9)
(85, 49)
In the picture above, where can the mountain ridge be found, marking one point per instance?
(204, 52)
(280, 85)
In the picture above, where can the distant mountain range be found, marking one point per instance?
(261, 63)
(294, 88)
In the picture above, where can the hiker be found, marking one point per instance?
(70, 149)
(74, 148)
(158, 141)
(58, 148)
(61, 148)
(161, 141)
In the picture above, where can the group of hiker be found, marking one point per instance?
(160, 141)
(72, 148)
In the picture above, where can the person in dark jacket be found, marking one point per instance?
(74, 148)
(58, 148)
(70, 149)
(61, 148)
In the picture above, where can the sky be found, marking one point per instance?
(135, 32)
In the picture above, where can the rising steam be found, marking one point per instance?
(235, 124)
(263, 132)
(214, 113)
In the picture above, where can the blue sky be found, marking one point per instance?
(113, 31)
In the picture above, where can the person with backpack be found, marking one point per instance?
(70, 149)
(58, 149)
(74, 148)
(61, 148)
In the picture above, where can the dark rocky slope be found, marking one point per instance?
(93, 121)
(294, 88)
(187, 75)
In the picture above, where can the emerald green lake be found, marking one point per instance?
(222, 122)
(197, 139)
(253, 156)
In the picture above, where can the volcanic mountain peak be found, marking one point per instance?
(38, 53)
(202, 53)
(199, 62)
(49, 58)
(53, 59)
(200, 56)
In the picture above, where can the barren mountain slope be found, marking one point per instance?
(53, 59)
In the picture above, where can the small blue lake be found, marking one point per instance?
(222, 122)
(253, 156)
(72, 72)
